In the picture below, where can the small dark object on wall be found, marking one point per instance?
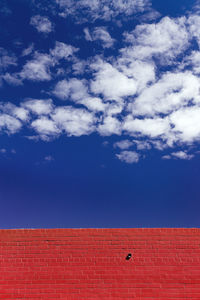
(128, 256)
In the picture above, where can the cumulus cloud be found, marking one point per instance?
(41, 23)
(128, 157)
(37, 69)
(164, 40)
(143, 72)
(151, 127)
(14, 111)
(109, 126)
(107, 80)
(39, 107)
(74, 89)
(45, 127)
(186, 124)
(74, 121)
(52, 121)
(172, 91)
(147, 94)
(9, 124)
(94, 104)
(48, 120)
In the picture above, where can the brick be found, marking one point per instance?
(91, 264)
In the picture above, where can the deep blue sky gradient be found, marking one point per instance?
(89, 188)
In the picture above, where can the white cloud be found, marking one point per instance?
(128, 156)
(62, 51)
(9, 124)
(42, 24)
(194, 27)
(179, 154)
(15, 111)
(37, 69)
(124, 144)
(165, 40)
(39, 107)
(76, 90)
(109, 126)
(113, 108)
(150, 90)
(182, 155)
(159, 145)
(142, 145)
(99, 34)
(186, 124)
(172, 91)
(149, 127)
(74, 121)
(193, 61)
(73, 89)
(78, 66)
(12, 79)
(142, 72)
(62, 90)
(45, 127)
(107, 79)
(20, 113)
(94, 104)
(84, 10)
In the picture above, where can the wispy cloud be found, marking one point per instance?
(101, 35)
(179, 155)
(124, 144)
(49, 158)
(83, 10)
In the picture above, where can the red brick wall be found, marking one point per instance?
(91, 264)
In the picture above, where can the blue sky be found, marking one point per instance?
(99, 113)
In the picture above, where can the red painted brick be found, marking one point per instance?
(90, 264)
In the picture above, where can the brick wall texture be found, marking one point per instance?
(91, 264)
